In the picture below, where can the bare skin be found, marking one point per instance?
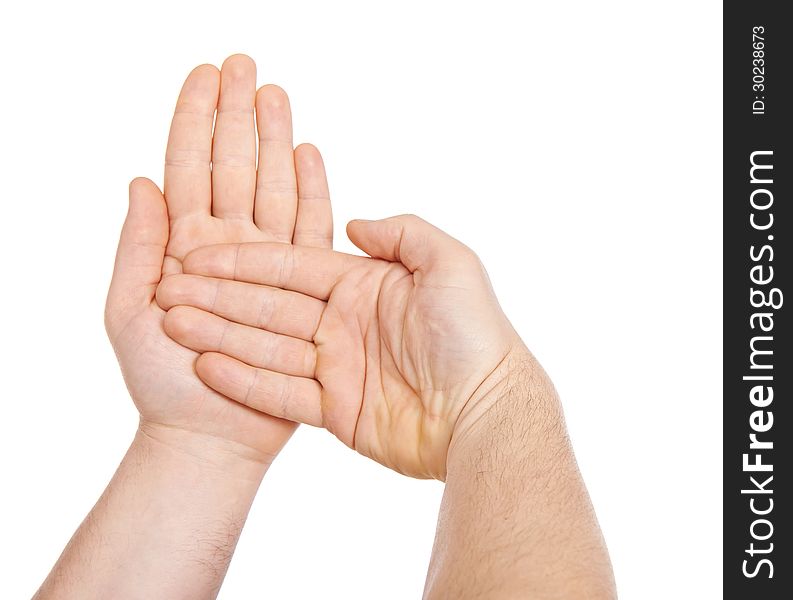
(214, 194)
(516, 520)
(401, 351)
(167, 525)
(406, 357)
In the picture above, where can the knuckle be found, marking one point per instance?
(267, 350)
(190, 109)
(281, 187)
(472, 257)
(310, 360)
(187, 158)
(223, 335)
(313, 237)
(252, 390)
(286, 267)
(266, 310)
(233, 160)
(410, 219)
(284, 396)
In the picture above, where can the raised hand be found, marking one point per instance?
(397, 354)
(213, 193)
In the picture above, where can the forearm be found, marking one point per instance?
(165, 527)
(516, 519)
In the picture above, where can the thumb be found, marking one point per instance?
(406, 239)
(140, 254)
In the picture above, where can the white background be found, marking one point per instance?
(575, 145)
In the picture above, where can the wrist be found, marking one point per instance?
(214, 457)
(517, 410)
(166, 525)
(197, 491)
(515, 500)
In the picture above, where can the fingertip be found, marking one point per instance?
(203, 82)
(211, 260)
(140, 183)
(272, 97)
(192, 261)
(177, 322)
(142, 187)
(307, 146)
(355, 227)
(147, 209)
(207, 365)
(310, 166)
(238, 65)
(162, 294)
(308, 154)
(204, 71)
(352, 229)
(169, 293)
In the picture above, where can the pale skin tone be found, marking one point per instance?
(391, 354)
(233, 321)
(406, 356)
(168, 522)
(230, 202)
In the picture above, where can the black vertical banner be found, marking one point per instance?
(758, 301)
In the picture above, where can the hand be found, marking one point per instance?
(410, 347)
(213, 194)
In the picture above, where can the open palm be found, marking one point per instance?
(213, 193)
(399, 352)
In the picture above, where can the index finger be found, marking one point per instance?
(188, 173)
(311, 271)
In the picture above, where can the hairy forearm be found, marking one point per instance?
(165, 527)
(516, 520)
